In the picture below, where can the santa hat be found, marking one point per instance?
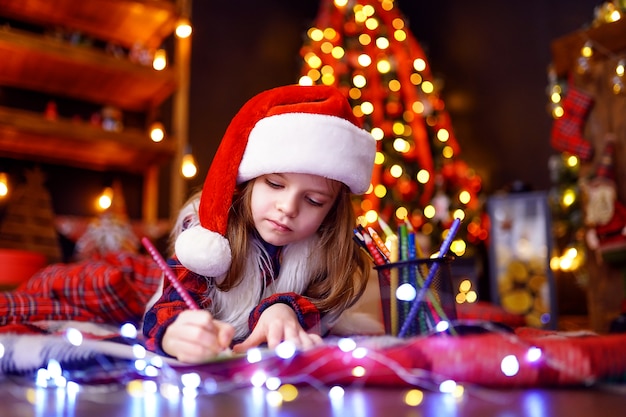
(291, 129)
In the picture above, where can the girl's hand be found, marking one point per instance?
(195, 337)
(278, 323)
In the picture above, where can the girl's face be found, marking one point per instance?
(290, 207)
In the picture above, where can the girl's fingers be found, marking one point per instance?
(195, 337)
(310, 340)
(256, 338)
(197, 317)
(190, 352)
(276, 334)
(225, 335)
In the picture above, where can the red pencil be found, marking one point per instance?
(169, 274)
(373, 250)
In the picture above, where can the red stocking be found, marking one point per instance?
(567, 130)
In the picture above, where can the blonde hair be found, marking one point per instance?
(338, 270)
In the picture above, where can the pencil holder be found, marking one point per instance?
(402, 283)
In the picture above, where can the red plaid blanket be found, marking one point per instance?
(113, 289)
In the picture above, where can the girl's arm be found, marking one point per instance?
(307, 314)
(281, 317)
(170, 305)
(279, 323)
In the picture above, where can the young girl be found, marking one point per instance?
(267, 250)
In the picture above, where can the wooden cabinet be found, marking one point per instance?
(33, 60)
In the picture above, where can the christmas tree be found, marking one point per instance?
(365, 48)
(28, 223)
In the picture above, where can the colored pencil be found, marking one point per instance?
(169, 274)
(393, 283)
(443, 251)
(379, 242)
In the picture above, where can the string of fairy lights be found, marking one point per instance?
(279, 374)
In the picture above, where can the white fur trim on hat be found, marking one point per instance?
(203, 251)
(310, 143)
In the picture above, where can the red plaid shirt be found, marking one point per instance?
(167, 308)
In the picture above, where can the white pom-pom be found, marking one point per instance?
(203, 251)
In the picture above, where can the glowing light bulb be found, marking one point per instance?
(442, 326)
(4, 185)
(346, 344)
(406, 292)
(157, 132)
(183, 29)
(443, 135)
(383, 66)
(534, 354)
(587, 50)
(316, 34)
(258, 379)
(188, 166)
(396, 171)
(139, 351)
(429, 211)
(336, 392)
(359, 81)
(159, 62)
(289, 392)
(74, 336)
(569, 197)
(286, 350)
(428, 87)
(254, 355)
(414, 397)
(358, 371)
(423, 176)
(509, 365)
(128, 330)
(447, 387)
(382, 42)
(105, 199)
(619, 69)
(191, 380)
(364, 60)
(419, 64)
(273, 383)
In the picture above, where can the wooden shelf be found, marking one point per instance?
(124, 22)
(34, 61)
(27, 135)
(566, 49)
(42, 64)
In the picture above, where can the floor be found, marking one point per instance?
(23, 400)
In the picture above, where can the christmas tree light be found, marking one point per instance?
(365, 48)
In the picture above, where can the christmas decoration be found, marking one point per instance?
(520, 247)
(28, 223)
(365, 48)
(605, 216)
(69, 355)
(587, 102)
(567, 130)
(110, 232)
